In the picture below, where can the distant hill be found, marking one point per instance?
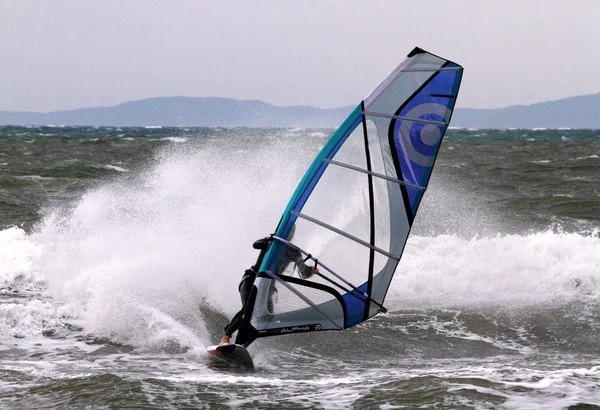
(573, 112)
(186, 112)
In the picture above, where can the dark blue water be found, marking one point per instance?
(121, 250)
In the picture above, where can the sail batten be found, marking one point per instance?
(397, 117)
(345, 234)
(322, 265)
(354, 208)
(305, 299)
(375, 174)
(417, 70)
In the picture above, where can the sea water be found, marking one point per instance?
(121, 250)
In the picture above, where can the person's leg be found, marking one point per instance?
(245, 288)
(232, 326)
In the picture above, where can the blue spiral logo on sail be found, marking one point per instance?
(418, 144)
(420, 141)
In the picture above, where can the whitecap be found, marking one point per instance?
(318, 134)
(113, 167)
(175, 139)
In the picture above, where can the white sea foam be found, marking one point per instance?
(27, 319)
(134, 260)
(143, 286)
(114, 168)
(556, 389)
(510, 269)
(33, 178)
(318, 134)
(18, 254)
(176, 139)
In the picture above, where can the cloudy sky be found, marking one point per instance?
(57, 55)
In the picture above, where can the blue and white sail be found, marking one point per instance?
(354, 207)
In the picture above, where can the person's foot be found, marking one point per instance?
(226, 340)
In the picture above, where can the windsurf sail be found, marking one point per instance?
(353, 209)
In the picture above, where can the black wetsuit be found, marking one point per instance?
(290, 255)
(246, 284)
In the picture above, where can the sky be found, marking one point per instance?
(58, 55)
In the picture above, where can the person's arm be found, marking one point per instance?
(263, 245)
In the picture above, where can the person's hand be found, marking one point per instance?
(305, 271)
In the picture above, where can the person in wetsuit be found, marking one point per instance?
(290, 255)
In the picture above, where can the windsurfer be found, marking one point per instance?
(290, 255)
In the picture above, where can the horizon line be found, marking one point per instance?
(273, 105)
